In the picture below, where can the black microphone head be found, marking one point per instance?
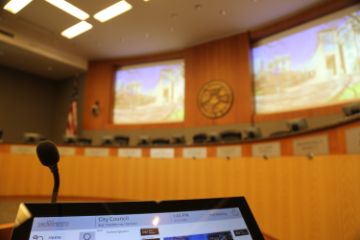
(47, 153)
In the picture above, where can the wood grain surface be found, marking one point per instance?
(292, 197)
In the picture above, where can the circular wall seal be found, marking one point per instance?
(215, 99)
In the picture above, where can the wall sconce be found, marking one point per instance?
(95, 109)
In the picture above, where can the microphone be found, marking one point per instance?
(48, 155)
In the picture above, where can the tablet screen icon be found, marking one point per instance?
(37, 237)
(87, 236)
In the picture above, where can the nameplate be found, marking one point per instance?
(272, 149)
(318, 145)
(195, 152)
(162, 153)
(352, 137)
(67, 151)
(97, 152)
(130, 153)
(226, 152)
(22, 149)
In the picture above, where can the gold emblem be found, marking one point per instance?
(215, 99)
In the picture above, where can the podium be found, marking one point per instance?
(5, 231)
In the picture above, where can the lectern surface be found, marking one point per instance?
(205, 219)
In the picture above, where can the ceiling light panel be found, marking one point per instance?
(69, 8)
(77, 29)
(15, 6)
(112, 11)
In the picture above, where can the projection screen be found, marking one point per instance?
(149, 93)
(314, 65)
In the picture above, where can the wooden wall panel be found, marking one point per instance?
(98, 87)
(321, 111)
(291, 197)
(224, 60)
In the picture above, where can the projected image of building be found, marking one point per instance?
(150, 94)
(314, 67)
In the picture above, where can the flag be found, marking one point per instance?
(72, 123)
(71, 127)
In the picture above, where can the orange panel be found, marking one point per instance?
(225, 60)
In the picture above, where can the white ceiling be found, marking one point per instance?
(150, 27)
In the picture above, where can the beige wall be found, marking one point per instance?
(30, 103)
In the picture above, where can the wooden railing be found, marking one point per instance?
(292, 196)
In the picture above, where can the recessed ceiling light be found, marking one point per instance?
(15, 6)
(146, 0)
(112, 11)
(76, 29)
(69, 8)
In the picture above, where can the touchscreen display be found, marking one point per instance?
(214, 224)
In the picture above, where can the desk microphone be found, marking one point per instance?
(48, 155)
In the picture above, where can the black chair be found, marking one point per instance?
(200, 138)
(253, 133)
(144, 141)
(230, 136)
(179, 140)
(296, 125)
(160, 141)
(213, 138)
(107, 141)
(351, 109)
(84, 141)
(1, 135)
(33, 138)
(121, 140)
(70, 140)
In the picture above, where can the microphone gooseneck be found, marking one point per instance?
(49, 156)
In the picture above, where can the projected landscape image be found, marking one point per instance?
(318, 66)
(151, 93)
